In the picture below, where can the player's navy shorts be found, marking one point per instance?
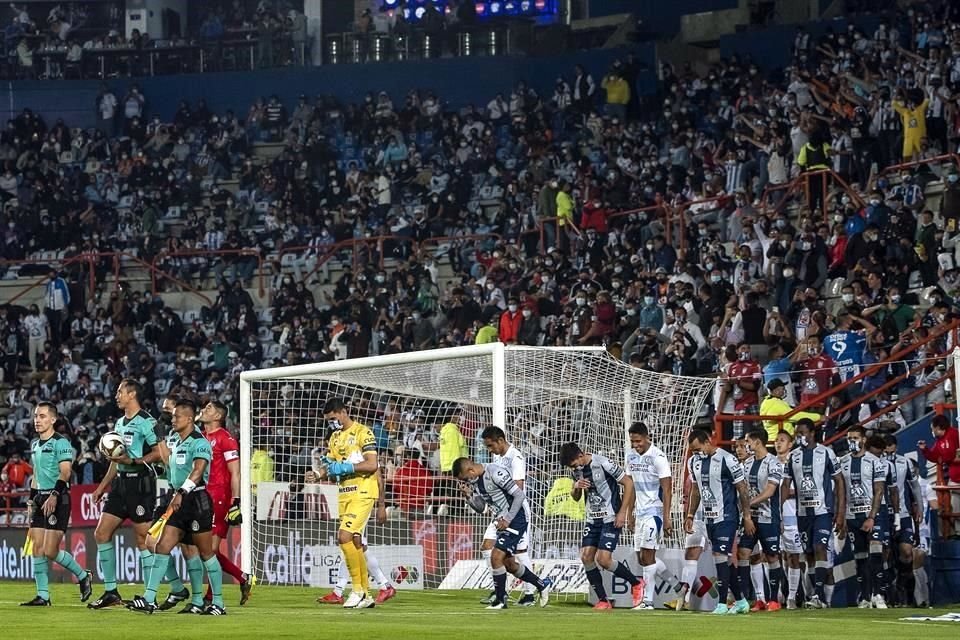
(195, 514)
(906, 534)
(859, 538)
(815, 530)
(132, 495)
(768, 535)
(508, 540)
(56, 521)
(602, 535)
(721, 535)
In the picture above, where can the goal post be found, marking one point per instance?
(540, 396)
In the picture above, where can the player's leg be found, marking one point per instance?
(857, 538)
(740, 583)
(147, 560)
(169, 539)
(486, 549)
(906, 583)
(770, 544)
(877, 569)
(354, 513)
(385, 590)
(758, 579)
(646, 541)
(106, 552)
(922, 588)
(178, 591)
(499, 572)
(195, 571)
(41, 576)
(51, 543)
(528, 599)
(507, 543)
(609, 537)
(722, 537)
(588, 556)
(208, 556)
(821, 538)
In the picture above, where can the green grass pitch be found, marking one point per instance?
(286, 612)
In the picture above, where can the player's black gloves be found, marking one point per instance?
(234, 517)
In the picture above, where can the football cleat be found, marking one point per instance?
(864, 604)
(490, 599)
(543, 596)
(354, 599)
(108, 599)
(246, 587)
(191, 608)
(214, 610)
(497, 606)
(603, 605)
(637, 591)
(385, 594)
(773, 606)
(758, 605)
(814, 603)
(174, 599)
(740, 607)
(36, 602)
(791, 604)
(86, 587)
(879, 602)
(527, 600)
(721, 610)
(644, 606)
(367, 603)
(139, 603)
(331, 598)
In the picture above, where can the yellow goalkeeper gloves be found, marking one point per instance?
(234, 517)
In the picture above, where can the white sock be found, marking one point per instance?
(343, 577)
(525, 562)
(922, 590)
(689, 575)
(665, 575)
(828, 593)
(373, 568)
(793, 583)
(650, 580)
(756, 577)
(486, 554)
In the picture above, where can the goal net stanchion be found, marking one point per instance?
(540, 396)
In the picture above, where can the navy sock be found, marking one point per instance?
(863, 579)
(531, 577)
(623, 572)
(877, 573)
(500, 584)
(723, 580)
(819, 580)
(776, 578)
(596, 581)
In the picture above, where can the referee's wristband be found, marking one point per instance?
(60, 487)
(187, 486)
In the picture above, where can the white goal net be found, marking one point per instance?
(540, 396)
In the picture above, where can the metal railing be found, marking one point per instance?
(156, 270)
(944, 490)
(819, 400)
(946, 157)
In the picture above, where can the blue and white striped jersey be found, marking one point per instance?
(812, 472)
(502, 494)
(860, 473)
(907, 481)
(716, 476)
(759, 474)
(603, 497)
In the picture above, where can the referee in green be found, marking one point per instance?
(52, 457)
(192, 519)
(132, 486)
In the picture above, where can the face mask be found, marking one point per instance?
(952, 178)
(788, 273)
(618, 269)
(491, 287)
(802, 441)
(874, 202)
(716, 278)
(853, 446)
(334, 424)
(512, 307)
(631, 312)
(847, 298)
(649, 246)
(548, 262)
(895, 299)
(527, 313)
(648, 300)
(581, 302)
(744, 357)
(416, 316)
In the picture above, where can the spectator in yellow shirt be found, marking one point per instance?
(775, 405)
(618, 95)
(565, 215)
(452, 444)
(261, 465)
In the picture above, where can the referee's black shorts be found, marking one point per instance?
(195, 514)
(56, 521)
(132, 495)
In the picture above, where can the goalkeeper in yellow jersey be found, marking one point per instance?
(352, 461)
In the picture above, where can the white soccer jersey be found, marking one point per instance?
(514, 462)
(647, 469)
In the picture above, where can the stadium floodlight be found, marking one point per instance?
(540, 396)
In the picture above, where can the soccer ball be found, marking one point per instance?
(111, 444)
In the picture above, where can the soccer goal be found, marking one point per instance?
(540, 396)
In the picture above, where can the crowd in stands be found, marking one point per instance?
(588, 216)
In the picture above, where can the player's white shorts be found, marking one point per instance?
(790, 540)
(699, 536)
(491, 534)
(646, 533)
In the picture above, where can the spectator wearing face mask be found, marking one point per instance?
(815, 369)
(891, 316)
(511, 322)
(776, 404)
(745, 377)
